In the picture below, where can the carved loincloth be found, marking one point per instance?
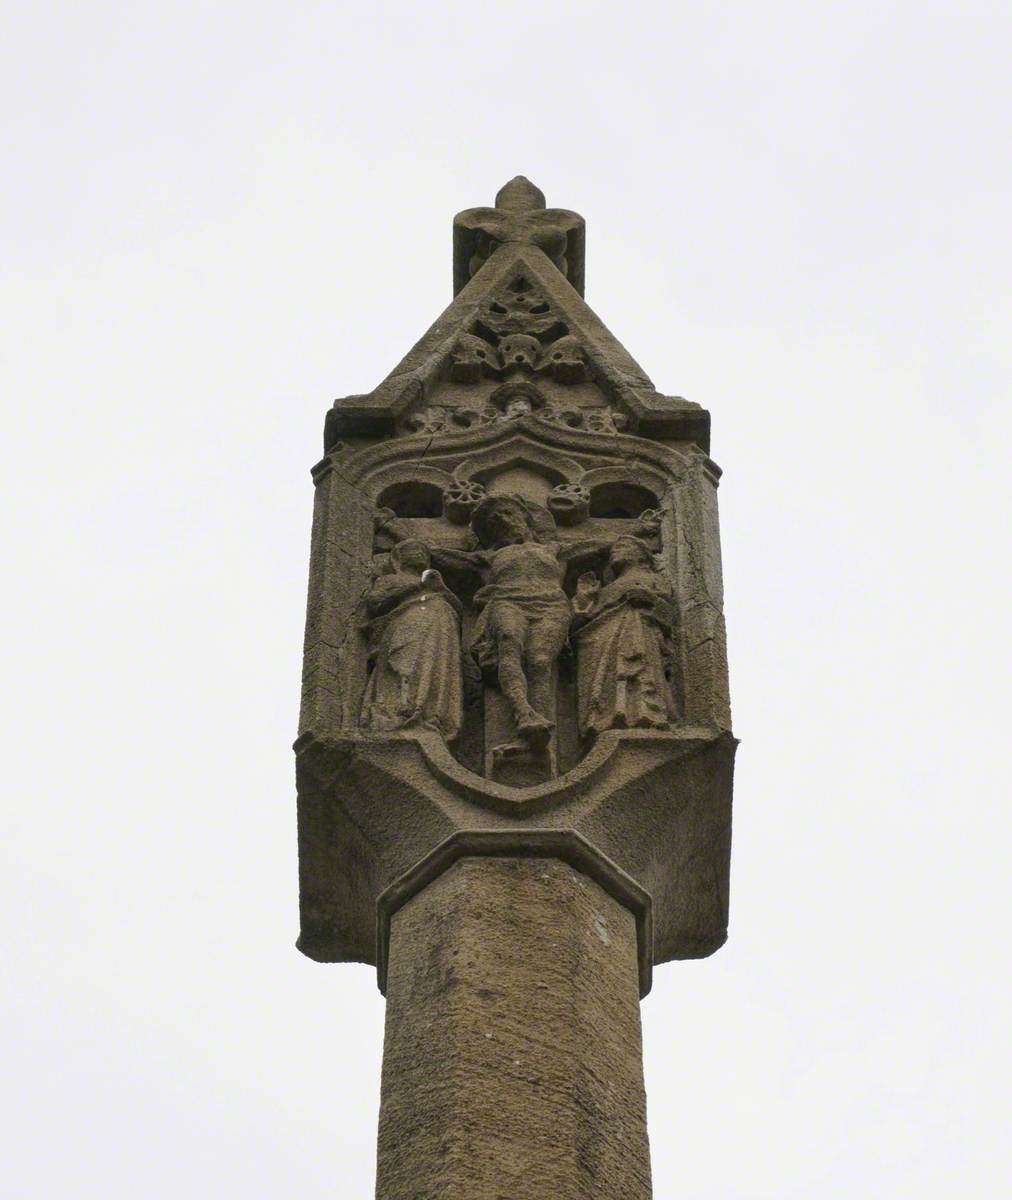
(512, 611)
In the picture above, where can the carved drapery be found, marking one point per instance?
(624, 643)
(414, 653)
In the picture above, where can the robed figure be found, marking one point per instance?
(414, 648)
(622, 633)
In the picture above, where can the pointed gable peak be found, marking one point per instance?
(518, 319)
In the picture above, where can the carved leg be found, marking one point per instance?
(545, 642)
(532, 727)
(542, 676)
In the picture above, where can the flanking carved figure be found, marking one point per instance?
(413, 632)
(623, 632)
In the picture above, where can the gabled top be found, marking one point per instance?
(518, 281)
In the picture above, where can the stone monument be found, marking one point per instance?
(515, 757)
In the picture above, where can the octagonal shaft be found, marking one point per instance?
(512, 1058)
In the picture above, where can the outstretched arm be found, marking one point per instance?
(470, 561)
(387, 591)
(647, 527)
(390, 530)
(583, 550)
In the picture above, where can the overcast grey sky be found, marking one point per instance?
(219, 217)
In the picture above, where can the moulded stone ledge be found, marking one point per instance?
(327, 753)
(566, 845)
(373, 806)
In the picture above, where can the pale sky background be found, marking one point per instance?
(217, 218)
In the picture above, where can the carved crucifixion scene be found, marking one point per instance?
(517, 586)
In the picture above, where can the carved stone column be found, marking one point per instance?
(514, 760)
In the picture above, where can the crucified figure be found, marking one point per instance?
(525, 614)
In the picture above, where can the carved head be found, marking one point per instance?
(410, 556)
(502, 521)
(471, 355)
(603, 420)
(519, 350)
(517, 406)
(569, 503)
(564, 358)
(516, 399)
(628, 551)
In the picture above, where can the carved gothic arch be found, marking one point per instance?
(536, 439)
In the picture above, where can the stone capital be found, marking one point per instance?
(566, 845)
(647, 815)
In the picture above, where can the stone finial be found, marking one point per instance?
(520, 195)
(519, 218)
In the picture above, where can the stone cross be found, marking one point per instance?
(514, 759)
(520, 218)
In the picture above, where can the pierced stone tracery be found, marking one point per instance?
(521, 344)
(518, 330)
(437, 420)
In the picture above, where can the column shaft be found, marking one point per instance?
(512, 1066)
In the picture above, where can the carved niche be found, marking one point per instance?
(485, 547)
